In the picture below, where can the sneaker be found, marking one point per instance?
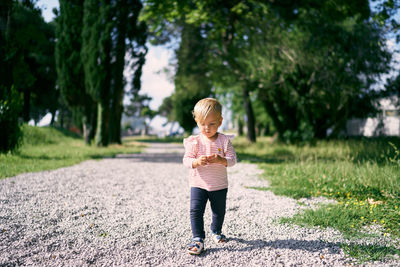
(196, 246)
(218, 238)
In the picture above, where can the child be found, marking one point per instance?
(207, 155)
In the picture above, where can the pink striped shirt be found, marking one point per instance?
(211, 177)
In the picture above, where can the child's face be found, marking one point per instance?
(209, 126)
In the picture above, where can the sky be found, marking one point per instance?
(154, 83)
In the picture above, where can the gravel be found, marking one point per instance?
(133, 210)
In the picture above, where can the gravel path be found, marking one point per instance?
(133, 210)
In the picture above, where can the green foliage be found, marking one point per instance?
(10, 132)
(387, 16)
(311, 64)
(68, 48)
(70, 73)
(50, 148)
(27, 79)
(96, 55)
(191, 82)
(153, 139)
(35, 136)
(314, 77)
(140, 107)
(166, 109)
(10, 102)
(30, 49)
(110, 30)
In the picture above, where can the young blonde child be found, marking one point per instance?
(208, 155)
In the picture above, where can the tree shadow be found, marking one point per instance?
(293, 244)
(379, 251)
(153, 157)
(41, 157)
(267, 158)
(173, 140)
(374, 149)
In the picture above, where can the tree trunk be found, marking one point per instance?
(251, 129)
(103, 115)
(87, 130)
(53, 118)
(61, 116)
(267, 130)
(103, 106)
(240, 127)
(27, 105)
(103, 111)
(93, 122)
(117, 105)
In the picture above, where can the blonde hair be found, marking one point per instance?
(206, 106)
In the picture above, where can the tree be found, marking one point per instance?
(131, 39)
(387, 16)
(96, 55)
(139, 107)
(31, 46)
(191, 81)
(70, 74)
(217, 21)
(316, 75)
(27, 86)
(166, 109)
(10, 132)
(110, 30)
(311, 63)
(45, 94)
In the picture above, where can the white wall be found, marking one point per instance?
(387, 123)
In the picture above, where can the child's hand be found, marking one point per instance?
(215, 158)
(201, 161)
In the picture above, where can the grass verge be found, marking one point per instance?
(154, 139)
(47, 148)
(363, 175)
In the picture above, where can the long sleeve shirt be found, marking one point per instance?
(211, 177)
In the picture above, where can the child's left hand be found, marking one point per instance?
(215, 158)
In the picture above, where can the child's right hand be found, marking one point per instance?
(201, 161)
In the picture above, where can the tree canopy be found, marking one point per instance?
(310, 64)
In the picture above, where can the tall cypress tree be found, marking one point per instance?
(96, 55)
(71, 79)
(131, 38)
(110, 30)
(121, 12)
(10, 131)
(191, 82)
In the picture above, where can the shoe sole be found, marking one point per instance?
(197, 252)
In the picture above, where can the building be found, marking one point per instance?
(387, 123)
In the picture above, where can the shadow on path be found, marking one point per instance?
(293, 244)
(153, 157)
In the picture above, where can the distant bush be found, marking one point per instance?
(45, 135)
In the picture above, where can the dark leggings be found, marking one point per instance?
(198, 201)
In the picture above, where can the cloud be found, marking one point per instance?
(154, 82)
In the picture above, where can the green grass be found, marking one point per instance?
(46, 148)
(363, 175)
(151, 139)
(369, 252)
